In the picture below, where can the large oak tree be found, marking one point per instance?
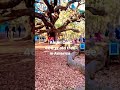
(48, 17)
(51, 15)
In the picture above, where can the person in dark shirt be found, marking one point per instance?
(13, 29)
(19, 31)
(84, 40)
(7, 30)
(117, 31)
(81, 39)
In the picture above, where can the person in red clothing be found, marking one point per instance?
(49, 39)
(98, 36)
(52, 39)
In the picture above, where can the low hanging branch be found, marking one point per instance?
(38, 31)
(69, 21)
(9, 4)
(41, 31)
(16, 13)
(73, 29)
(42, 17)
(6, 19)
(95, 11)
(63, 7)
(39, 27)
(20, 12)
(58, 30)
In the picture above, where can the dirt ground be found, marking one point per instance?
(19, 71)
(16, 68)
(109, 77)
(52, 73)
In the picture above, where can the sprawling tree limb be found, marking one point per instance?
(17, 13)
(50, 11)
(29, 3)
(9, 4)
(69, 21)
(41, 31)
(73, 29)
(42, 17)
(39, 27)
(95, 11)
(53, 10)
(51, 16)
(57, 30)
(20, 12)
(65, 7)
(6, 19)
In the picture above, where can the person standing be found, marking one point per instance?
(81, 39)
(7, 30)
(75, 40)
(19, 31)
(13, 31)
(117, 31)
(52, 40)
(49, 38)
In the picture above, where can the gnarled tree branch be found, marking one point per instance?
(39, 27)
(9, 4)
(95, 11)
(16, 13)
(42, 17)
(69, 21)
(73, 29)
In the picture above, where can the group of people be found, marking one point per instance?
(111, 33)
(81, 39)
(11, 31)
(74, 41)
(50, 40)
(96, 37)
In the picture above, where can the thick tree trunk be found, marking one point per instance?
(57, 35)
(28, 37)
(52, 34)
(10, 35)
(28, 34)
(28, 29)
